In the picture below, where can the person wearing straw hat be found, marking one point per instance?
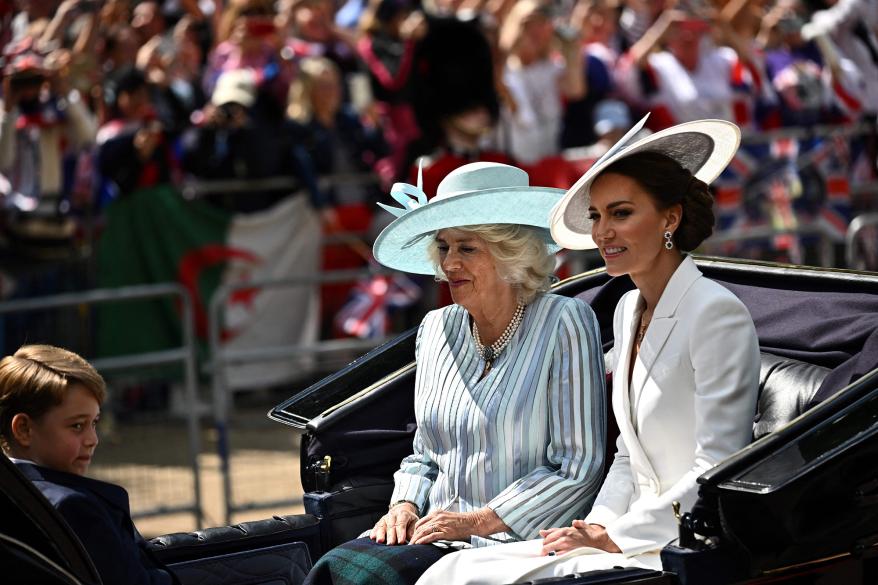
(685, 359)
(509, 386)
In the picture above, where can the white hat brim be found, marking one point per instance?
(403, 245)
(704, 147)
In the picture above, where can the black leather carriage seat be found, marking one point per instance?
(786, 388)
(274, 551)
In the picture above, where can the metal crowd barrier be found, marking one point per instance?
(195, 188)
(221, 358)
(736, 235)
(800, 132)
(185, 355)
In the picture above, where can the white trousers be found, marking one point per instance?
(522, 561)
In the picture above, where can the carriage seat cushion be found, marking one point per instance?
(223, 540)
(786, 387)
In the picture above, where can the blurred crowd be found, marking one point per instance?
(104, 97)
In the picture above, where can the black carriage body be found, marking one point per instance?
(798, 505)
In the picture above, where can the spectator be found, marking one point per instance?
(689, 80)
(852, 25)
(454, 72)
(134, 148)
(388, 53)
(309, 30)
(538, 82)
(156, 59)
(236, 140)
(602, 42)
(464, 140)
(339, 142)
(249, 39)
(41, 121)
(814, 83)
(638, 16)
(147, 20)
(184, 73)
(612, 119)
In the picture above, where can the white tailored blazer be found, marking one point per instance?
(690, 404)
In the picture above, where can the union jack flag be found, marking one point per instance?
(787, 183)
(366, 314)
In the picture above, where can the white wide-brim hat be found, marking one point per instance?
(475, 194)
(704, 147)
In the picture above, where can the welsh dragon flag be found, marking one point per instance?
(155, 236)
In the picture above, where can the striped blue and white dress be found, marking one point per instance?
(528, 439)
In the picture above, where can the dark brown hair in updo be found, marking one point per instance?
(669, 184)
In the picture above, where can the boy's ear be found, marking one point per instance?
(21, 429)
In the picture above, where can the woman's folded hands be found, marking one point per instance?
(443, 525)
(558, 541)
(401, 525)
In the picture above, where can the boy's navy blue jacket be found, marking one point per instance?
(99, 514)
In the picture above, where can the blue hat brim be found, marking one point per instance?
(403, 245)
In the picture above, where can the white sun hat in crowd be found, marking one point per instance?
(704, 147)
(474, 194)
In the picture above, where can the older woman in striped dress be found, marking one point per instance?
(509, 389)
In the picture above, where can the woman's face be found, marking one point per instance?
(627, 226)
(470, 269)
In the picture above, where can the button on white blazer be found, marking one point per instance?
(689, 404)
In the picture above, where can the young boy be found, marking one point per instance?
(50, 403)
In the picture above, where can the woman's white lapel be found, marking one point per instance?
(663, 321)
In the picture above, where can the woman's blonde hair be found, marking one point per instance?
(520, 253)
(36, 379)
(299, 106)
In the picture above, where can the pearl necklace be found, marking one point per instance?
(491, 352)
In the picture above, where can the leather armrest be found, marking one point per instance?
(184, 546)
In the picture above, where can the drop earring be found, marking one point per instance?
(669, 243)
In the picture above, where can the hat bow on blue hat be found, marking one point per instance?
(475, 194)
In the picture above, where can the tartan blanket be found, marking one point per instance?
(363, 561)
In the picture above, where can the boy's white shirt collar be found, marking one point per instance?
(17, 460)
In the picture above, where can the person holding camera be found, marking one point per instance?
(134, 148)
(42, 121)
(235, 138)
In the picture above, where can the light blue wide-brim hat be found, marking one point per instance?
(704, 147)
(475, 194)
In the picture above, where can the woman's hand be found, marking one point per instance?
(561, 540)
(441, 525)
(397, 526)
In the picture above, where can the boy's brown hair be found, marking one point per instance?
(36, 378)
